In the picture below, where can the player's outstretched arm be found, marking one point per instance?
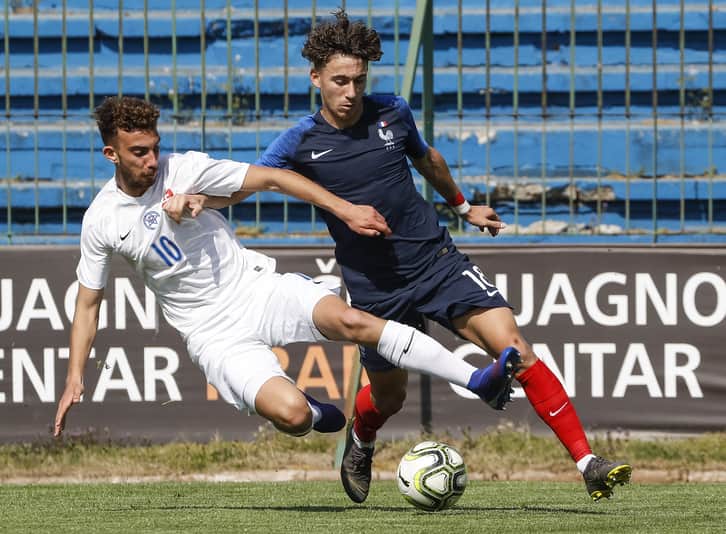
(83, 332)
(434, 169)
(364, 220)
(181, 204)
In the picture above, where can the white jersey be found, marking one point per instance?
(195, 268)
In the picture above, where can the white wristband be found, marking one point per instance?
(462, 209)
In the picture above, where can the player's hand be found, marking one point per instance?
(485, 217)
(365, 220)
(71, 395)
(181, 204)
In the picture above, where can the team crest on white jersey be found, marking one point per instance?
(151, 219)
(386, 135)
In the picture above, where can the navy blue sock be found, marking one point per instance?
(331, 420)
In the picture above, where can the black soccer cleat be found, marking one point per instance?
(355, 469)
(602, 475)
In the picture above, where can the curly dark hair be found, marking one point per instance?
(341, 37)
(125, 113)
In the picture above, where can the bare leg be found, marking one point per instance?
(280, 402)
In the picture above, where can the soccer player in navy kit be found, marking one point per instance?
(359, 147)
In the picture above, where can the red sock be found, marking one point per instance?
(367, 418)
(549, 400)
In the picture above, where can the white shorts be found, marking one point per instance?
(234, 349)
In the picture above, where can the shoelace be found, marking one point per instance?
(362, 457)
(594, 467)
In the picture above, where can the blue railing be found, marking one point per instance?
(576, 120)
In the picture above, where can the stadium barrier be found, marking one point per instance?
(577, 122)
(635, 334)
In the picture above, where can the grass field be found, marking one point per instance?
(322, 507)
(515, 502)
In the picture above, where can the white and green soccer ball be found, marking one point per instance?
(431, 476)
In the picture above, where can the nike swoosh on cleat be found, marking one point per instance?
(316, 155)
(558, 410)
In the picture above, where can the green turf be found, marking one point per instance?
(312, 507)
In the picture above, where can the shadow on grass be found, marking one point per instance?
(459, 510)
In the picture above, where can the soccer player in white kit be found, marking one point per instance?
(228, 302)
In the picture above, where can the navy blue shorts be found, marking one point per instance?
(450, 288)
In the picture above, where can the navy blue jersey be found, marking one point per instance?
(368, 164)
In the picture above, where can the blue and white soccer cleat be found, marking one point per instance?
(332, 418)
(493, 383)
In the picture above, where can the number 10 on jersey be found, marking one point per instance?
(168, 250)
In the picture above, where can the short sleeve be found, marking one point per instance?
(196, 172)
(95, 262)
(280, 153)
(416, 146)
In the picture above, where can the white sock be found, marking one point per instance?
(582, 462)
(317, 414)
(363, 444)
(409, 349)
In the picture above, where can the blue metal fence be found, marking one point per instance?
(577, 121)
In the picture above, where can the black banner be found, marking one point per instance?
(635, 334)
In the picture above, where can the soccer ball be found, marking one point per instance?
(431, 476)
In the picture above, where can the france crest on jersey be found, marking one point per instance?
(386, 136)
